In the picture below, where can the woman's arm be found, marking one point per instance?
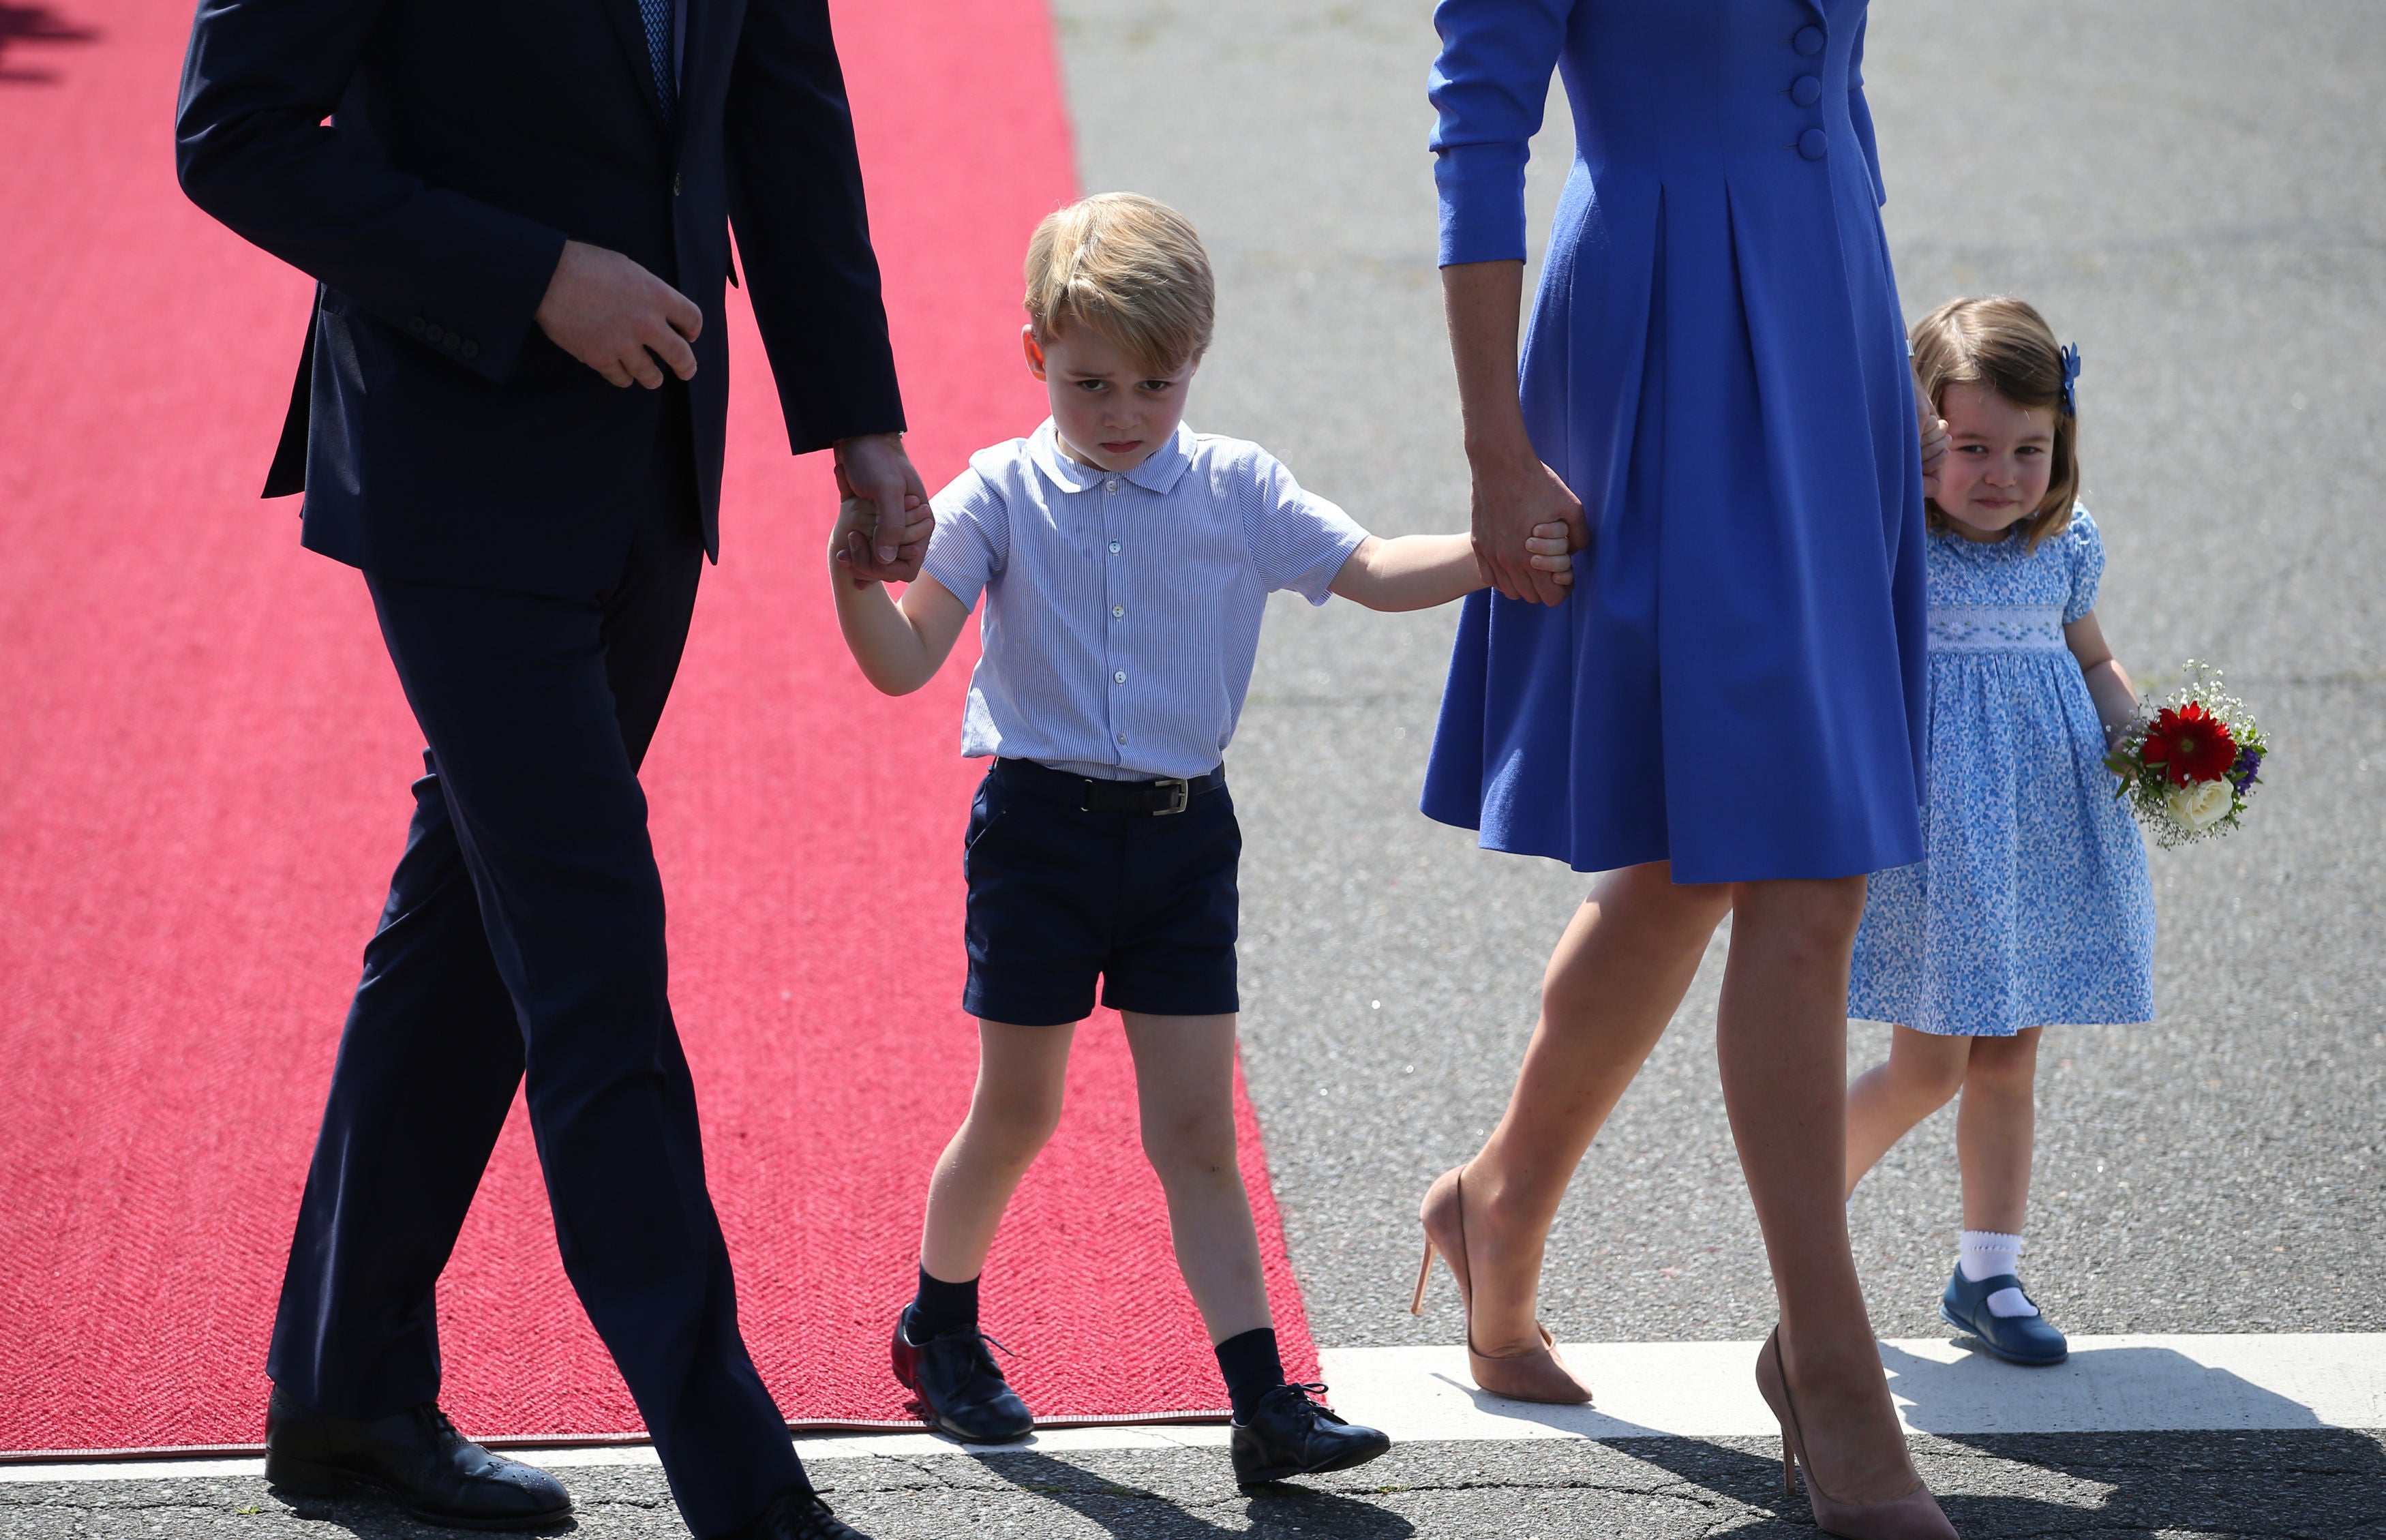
(2108, 682)
(1513, 491)
(900, 647)
(1418, 571)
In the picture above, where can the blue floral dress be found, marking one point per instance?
(2030, 904)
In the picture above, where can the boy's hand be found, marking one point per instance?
(856, 524)
(1551, 553)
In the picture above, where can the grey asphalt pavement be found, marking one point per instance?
(2303, 1484)
(2195, 192)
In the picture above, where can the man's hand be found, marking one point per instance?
(849, 544)
(619, 318)
(875, 469)
(1514, 498)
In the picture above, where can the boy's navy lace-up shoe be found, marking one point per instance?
(1293, 1436)
(962, 1386)
(2022, 1339)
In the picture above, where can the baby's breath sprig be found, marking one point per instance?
(2189, 766)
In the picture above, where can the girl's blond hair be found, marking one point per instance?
(2006, 345)
(1132, 270)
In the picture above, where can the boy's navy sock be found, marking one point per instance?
(1249, 1363)
(940, 1307)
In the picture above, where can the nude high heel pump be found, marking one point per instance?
(1535, 1374)
(1914, 1516)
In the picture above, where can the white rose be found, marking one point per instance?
(2200, 804)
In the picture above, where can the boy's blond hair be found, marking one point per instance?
(2003, 345)
(1129, 268)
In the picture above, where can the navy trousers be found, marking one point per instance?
(523, 940)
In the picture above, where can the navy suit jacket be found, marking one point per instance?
(437, 434)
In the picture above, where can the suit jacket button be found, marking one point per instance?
(451, 341)
(433, 334)
(470, 350)
(1806, 91)
(1812, 144)
(418, 325)
(1808, 40)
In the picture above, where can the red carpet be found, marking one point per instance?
(206, 787)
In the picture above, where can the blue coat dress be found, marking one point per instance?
(1716, 365)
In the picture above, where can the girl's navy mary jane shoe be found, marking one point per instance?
(2022, 1339)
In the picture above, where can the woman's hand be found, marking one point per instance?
(1513, 491)
(1934, 450)
(1524, 517)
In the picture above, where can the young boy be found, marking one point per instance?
(1125, 562)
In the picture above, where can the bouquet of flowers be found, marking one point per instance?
(2189, 766)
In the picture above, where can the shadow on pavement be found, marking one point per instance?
(1276, 1509)
(2140, 1389)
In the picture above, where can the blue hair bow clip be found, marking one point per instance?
(2070, 373)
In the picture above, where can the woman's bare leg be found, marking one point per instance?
(1617, 978)
(1922, 1073)
(1781, 1038)
(1995, 1127)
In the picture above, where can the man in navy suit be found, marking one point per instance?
(509, 414)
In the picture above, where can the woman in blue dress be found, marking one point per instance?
(1726, 718)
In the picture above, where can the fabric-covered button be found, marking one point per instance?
(1812, 144)
(1809, 41)
(1806, 91)
(1113, 548)
(1119, 678)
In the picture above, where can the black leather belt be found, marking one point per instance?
(1151, 798)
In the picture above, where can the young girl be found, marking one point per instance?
(2031, 904)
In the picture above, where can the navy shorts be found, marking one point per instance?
(1059, 896)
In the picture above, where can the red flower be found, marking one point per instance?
(2189, 744)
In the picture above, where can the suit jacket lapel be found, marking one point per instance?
(630, 28)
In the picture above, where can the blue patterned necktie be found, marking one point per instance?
(657, 14)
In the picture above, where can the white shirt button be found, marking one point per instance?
(1122, 737)
(1117, 610)
(1119, 678)
(1111, 485)
(1113, 548)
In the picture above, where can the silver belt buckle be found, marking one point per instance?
(1180, 796)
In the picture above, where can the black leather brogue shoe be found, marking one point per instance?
(796, 1516)
(1293, 1436)
(962, 1386)
(415, 1456)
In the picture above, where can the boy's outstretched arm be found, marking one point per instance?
(1417, 571)
(900, 647)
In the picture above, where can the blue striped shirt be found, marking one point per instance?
(1122, 607)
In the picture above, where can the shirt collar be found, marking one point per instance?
(1157, 472)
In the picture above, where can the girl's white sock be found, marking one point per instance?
(1988, 1254)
